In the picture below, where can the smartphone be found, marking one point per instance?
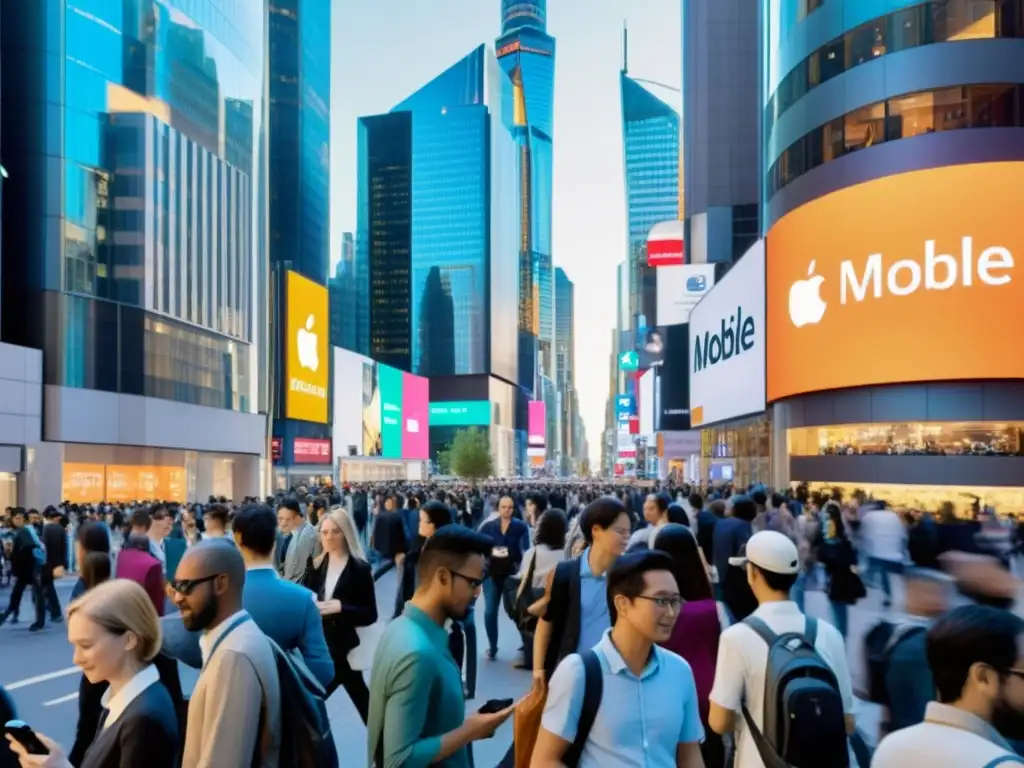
(22, 733)
(495, 705)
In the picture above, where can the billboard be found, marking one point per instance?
(91, 483)
(642, 349)
(679, 290)
(915, 297)
(536, 423)
(307, 450)
(378, 410)
(461, 413)
(727, 344)
(665, 246)
(306, 348)
(646, 402)
(415, 417)
(625, 406)
(672, 377)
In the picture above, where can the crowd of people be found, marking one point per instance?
(662, 626)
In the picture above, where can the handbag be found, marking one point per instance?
(525, 596)
(360, 658)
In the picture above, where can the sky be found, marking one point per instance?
(383, 50)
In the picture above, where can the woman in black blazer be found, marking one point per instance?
(116, 634)
(342, 581)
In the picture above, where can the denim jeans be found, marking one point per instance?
(883, 568)
(796, 594)
(841, 613)
(493, 589)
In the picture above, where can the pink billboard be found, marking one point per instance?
(536, 423)
(415, 417)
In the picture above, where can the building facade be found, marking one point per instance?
(299, 56)
(526, 54)
(650, 140)
(343, 289)
(138, 134)
(876, 107)
(720, 125)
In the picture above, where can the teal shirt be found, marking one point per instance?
(415, 694)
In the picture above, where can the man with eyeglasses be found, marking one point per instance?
(632, 725)
(238, 690)
(976, 655)
(416, 700)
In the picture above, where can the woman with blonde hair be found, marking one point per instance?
(116, 635)
(342, 585)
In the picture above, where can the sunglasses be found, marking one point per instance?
(185, 587)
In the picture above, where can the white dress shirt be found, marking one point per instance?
(116, 705)
(335, 566)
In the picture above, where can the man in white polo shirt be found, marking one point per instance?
(976, 654)
(772, 564)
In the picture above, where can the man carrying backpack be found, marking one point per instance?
(781, 680)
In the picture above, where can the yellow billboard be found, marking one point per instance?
(307, 346)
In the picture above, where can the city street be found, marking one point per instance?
(37, 670)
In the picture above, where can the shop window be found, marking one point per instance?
(864, 127)
(964, 500)
(910, 439)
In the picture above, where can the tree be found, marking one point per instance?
(469, 454)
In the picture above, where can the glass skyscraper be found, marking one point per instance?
(133, 235)
(436, 221)
(565, 357)
(650, 139)
(527, 54)
(343, 297)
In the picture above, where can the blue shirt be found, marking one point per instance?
(594, 618)
(509, 546)
(641, 720)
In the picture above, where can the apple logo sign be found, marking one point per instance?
(306, 344)
(806, 306)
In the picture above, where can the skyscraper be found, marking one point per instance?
(650, 140)
(565, 356)
(133, 243)
(299, 33)
(435, 225)
(527, 54)
(344, 291)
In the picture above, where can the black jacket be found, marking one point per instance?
(90, 709)
(358, 602)
(146, 734)
(55, 539)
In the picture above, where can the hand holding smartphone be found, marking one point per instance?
(22, 733)
(493, 706)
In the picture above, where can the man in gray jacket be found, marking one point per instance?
(302, 543)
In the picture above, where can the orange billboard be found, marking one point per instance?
(909, 278)
(83, 483)
(92, 483)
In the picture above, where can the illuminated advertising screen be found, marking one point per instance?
(308, 450)
(306, 344)
(625, 406)
(415, 417)
(665, 247)
(461, 413)
(907, 278)
(727, 333)
(536, 423)
(672, 407)
(92, 483)
(679, 289)
(378, 410)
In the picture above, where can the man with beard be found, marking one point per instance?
(238, 689)
(416, 701)
(976, 654)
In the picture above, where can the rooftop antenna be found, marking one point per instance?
(625, 48)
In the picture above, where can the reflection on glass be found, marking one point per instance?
(910, 439)
(929, 498)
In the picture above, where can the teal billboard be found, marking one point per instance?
(461, 413)
(390, 411)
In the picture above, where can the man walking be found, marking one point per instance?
(302, 542)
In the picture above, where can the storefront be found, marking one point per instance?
(21, 376)
(309, 462)
(737, 451)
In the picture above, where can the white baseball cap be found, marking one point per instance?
(771, 551)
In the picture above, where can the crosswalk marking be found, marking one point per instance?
(61, 700)
(41, 678)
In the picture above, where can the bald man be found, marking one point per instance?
(238, 685)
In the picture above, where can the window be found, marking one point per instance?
(947, 109)
(865, 43)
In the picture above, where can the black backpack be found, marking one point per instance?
(804, 724)
(306, 740)
(879, 643)
(593, 690)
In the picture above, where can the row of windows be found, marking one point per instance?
(903, 117)
(935, 22)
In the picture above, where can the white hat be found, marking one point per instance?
(771, 551)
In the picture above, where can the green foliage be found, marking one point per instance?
(469, 454)
(444, 462)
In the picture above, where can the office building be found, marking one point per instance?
(565, 365)
(650, 141)
(527, 54)
(343, 291)
(134, 139)
(721, 116)
(436, 236)
(299, 34)
(912, 114)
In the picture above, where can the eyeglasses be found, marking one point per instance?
(664, 603)
(472, 581)
(185, 587)
(1015, 672)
